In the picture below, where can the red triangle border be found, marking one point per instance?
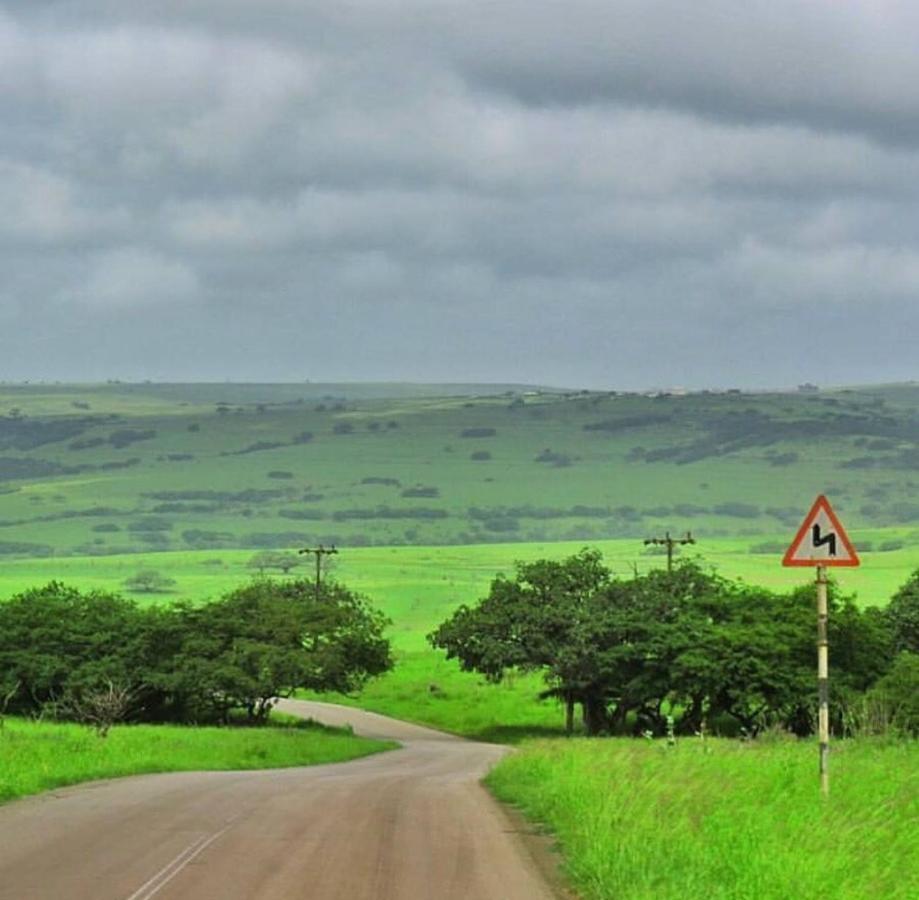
(821, 503)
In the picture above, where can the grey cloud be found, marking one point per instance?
(583, 193)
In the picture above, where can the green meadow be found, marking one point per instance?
(38, 756)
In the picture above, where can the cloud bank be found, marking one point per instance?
(609, 194)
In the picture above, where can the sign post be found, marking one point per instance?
(821, 541)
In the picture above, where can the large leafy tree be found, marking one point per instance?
(535, 621)
(59, 647)
(687, 643)
(56, 642)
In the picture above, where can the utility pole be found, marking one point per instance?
(319, 552)
(670, 543)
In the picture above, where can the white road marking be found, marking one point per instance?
(154, 885)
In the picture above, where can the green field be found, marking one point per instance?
(38, 756)
(109, 469)
(724, 820)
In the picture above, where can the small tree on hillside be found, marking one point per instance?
(274, 559)
(149, 581)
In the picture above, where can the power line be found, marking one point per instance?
(670, 543)
(319, 552)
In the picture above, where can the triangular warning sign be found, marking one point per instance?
(821, 540)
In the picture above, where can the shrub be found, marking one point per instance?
(890, 546)
(478, 432)
(898, 694)
(149, 581)
(738, 510)
(25, 548)
(480, 456)
(126, 436)
(151, 524)
(421, 491)
(280, 475)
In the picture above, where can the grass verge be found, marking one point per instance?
(723, 820)
(35, 757)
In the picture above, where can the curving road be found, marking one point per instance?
(411, 824)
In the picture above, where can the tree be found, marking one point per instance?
(531, 623)
(274, 559)
(268, 639)
(57, 643)
(99, 658)
(149, 581)
(633, 652)
(898, 693)
(903, 615)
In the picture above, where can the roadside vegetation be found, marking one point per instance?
(687, 650)
(38, 756)
(100, 659)
(671, 659)
(726, 820)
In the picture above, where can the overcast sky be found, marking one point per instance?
(599, 193)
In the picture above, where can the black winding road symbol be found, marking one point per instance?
(819, 541)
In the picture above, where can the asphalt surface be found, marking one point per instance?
(410, 824)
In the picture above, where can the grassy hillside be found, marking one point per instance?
(128, 468)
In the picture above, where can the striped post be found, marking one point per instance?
(823, 681)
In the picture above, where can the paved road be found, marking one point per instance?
(411, 824)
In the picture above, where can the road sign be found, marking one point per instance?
(821, 540)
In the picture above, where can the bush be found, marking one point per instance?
(98, 657)
(478, 432)
(738, 510)
(280, 475)
(903, 615)
(149, 581)
(203, 539)
(480, 456)
(897, 694)
(421, 491)
(126, 436)
(25, 548)
(890, 546)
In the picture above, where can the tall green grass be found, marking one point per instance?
(38, 756)
(723, 819)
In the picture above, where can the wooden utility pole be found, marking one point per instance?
(823, 681)
(319, 552)
(670, 543)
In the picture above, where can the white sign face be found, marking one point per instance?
(821, 540)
